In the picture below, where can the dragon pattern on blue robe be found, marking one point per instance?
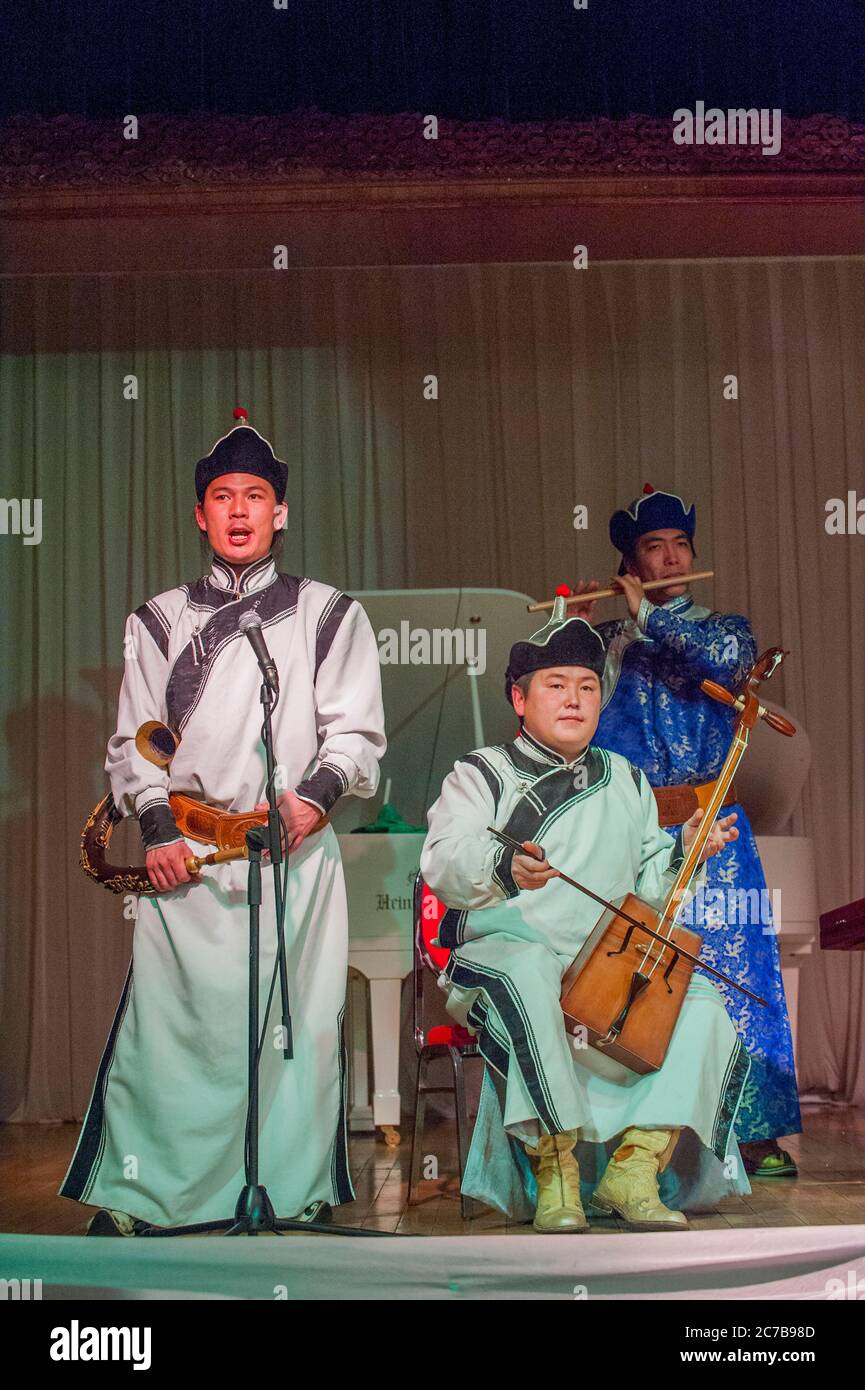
(655, 715)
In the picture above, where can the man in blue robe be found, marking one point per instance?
(656, 715)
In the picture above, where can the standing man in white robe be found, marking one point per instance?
(514, 930)
(163, 1139)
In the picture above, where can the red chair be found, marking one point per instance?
(442, 1040)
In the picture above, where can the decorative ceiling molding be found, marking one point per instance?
(211, 194)
(308, 148)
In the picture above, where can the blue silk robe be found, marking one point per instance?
(656, 716)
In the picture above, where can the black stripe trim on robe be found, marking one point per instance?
(550, 796)
(502, 874)
(224, 568)
(253, 571)
(548, 756)
(158, 826)
(328, 626)
(242, 584)
(154, 621)
(340, 772)
(88, 1150)
(324, 788)
(340, 1173)
(189, 673)
(505, 999)
(203, 593)
(488, 772)
(450, 928)
(521, 762)
(677, 858)
(197, 604)
(731, 1095)
(490, 1047)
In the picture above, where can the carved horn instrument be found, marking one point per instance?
(157, 743)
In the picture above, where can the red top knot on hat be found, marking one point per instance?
(647, 487)
(239, 413)
(563, 591)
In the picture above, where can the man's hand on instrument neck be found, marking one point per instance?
(166, 866)
(300, 817)
(722, 832)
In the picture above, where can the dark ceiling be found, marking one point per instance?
(469, 59)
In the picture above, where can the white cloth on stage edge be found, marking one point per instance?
(164, 1133)
(597, 821)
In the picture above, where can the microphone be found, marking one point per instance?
(250, 625)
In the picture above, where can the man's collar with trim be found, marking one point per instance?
(680, 604)
(527, 743)
(256, 576)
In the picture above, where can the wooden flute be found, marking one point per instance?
(595, 594)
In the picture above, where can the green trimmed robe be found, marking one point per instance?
(596, 819)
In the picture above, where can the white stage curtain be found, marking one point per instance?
(441, 424)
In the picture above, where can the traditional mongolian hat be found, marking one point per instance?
(653, 511)
(563, 642)
(242, 450)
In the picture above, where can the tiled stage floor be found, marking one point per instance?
(830, 1189)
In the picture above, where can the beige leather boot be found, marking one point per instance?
(629, 1187)
(559, 1208)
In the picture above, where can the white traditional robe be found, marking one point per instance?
(597, 821)
(164, 1133)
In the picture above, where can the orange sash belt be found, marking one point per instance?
(225, 829)
(209, 826)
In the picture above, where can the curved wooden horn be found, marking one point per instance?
(157, 743)
(95, 839)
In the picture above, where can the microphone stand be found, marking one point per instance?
(253, 1212)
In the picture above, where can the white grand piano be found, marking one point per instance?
(379, 872)
(770, 782)
(435, 712)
